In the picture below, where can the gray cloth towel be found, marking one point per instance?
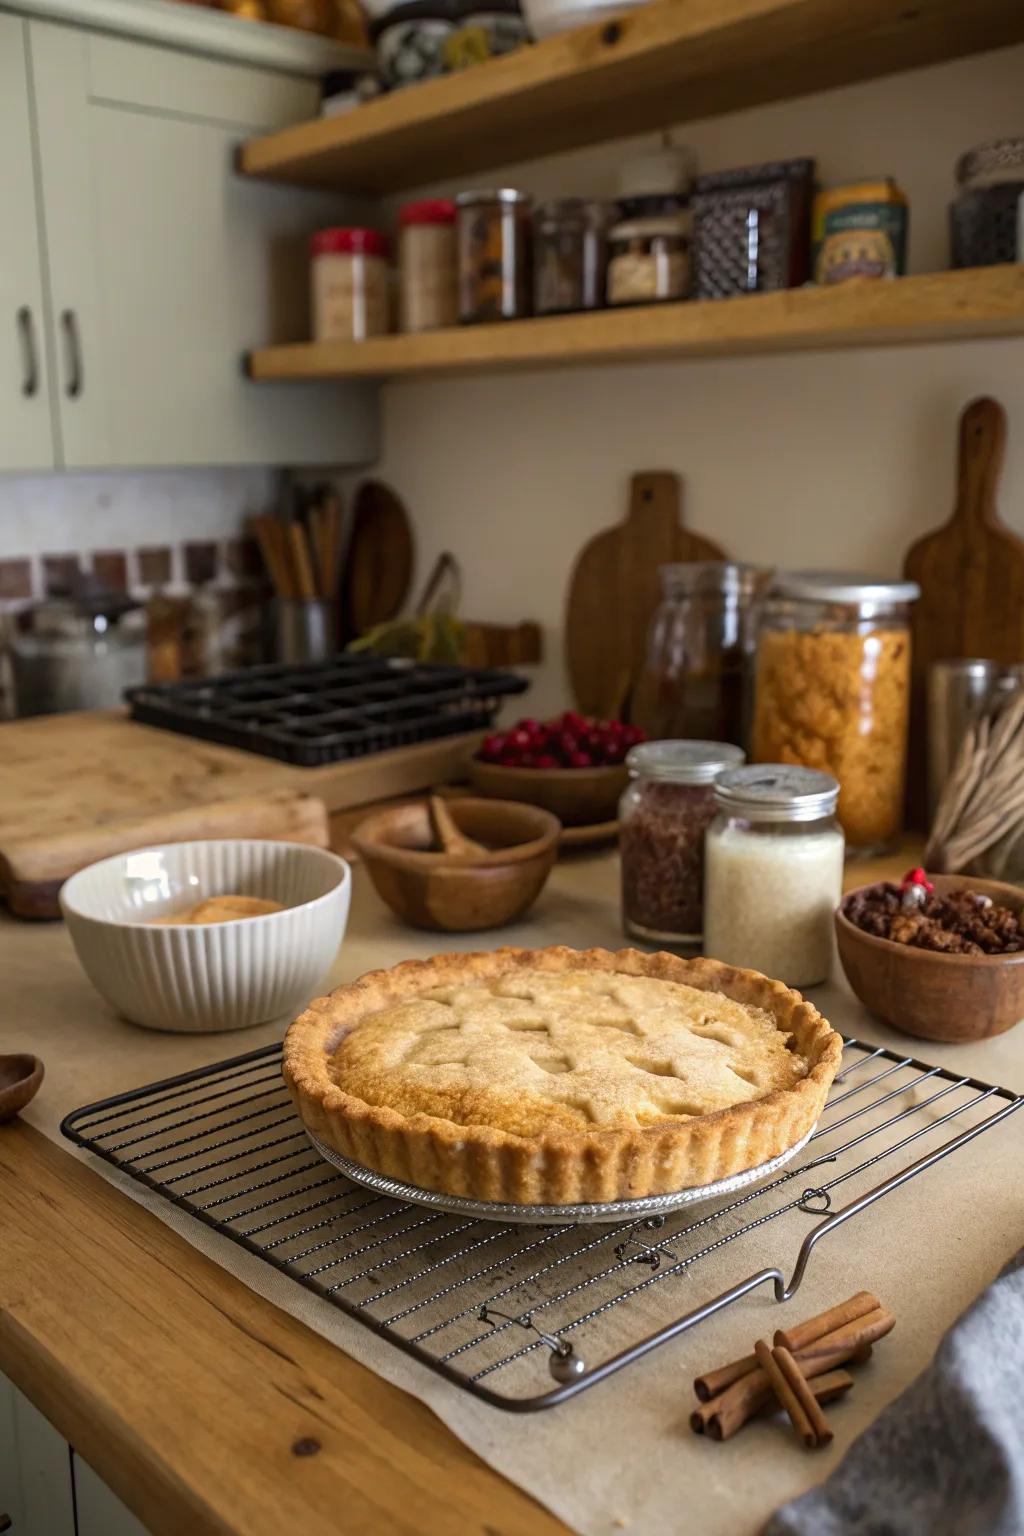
(946, 1458)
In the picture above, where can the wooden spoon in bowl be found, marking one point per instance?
(20, 1077)
(466, 849)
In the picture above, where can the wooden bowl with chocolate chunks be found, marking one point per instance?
(966, 991)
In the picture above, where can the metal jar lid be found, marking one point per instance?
(843, 587)
(723, 576)
(777, 792)
(505, 195)
(683, 762)
(992, 162)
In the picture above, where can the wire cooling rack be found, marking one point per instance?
(325, 711)
(522, 1317)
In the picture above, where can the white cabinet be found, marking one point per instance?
(97, 1511)
(35, 1470)
(46, 1489)
(26, 437)
(158, 266)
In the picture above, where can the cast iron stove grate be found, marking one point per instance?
(522, 1317)
(318, 712)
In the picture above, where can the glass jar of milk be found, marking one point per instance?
(773, 871)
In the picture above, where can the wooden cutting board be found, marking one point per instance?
(79, 787)
(614, 590)
(971, 574)
(378, 565)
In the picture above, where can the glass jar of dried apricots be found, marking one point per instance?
(832, 691)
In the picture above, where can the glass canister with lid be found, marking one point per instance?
(493, 230)
(832, 691)
(428, 286)
(698, 677)
(570, 255)
(663, 815)
(350, 281)
(773, 872)
(649, 248)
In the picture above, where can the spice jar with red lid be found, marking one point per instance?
(663, 816)
(349, 284)
(428, 286)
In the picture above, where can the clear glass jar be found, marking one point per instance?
(570, 256)
(649, 259)
(773, 872)
(428, 289)
(350, 276)
(832, 691)
(494, 237)
(663, 815)
(698, 676)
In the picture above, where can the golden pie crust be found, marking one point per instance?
(560, 1076)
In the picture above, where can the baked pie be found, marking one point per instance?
(560, 1076)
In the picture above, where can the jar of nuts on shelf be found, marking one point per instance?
(832, 691)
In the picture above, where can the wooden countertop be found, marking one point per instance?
(204, 1407)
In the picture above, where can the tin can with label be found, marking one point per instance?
(860, 231)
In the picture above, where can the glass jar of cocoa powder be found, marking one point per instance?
(663, 816)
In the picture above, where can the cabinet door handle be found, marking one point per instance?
(75, 371)
(29, 366)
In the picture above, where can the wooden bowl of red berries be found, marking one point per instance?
(940, 957)
(573, 766)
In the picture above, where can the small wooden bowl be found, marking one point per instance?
(430, 889)
(933, 995)
(20, 1077)
(579, 797)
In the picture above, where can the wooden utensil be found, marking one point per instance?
(428, 889)
(378, 569)
(451, 839)
(614, 590)
(20, 1077)
(971, 574)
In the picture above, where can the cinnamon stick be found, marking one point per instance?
(844, 1345)
(730, 1410)
(710, 1419)
(802, 1334)
(841, 1345)
(793, 1399)
(800, 1387)
(712, 1383)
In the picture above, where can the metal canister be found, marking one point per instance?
(860, 231)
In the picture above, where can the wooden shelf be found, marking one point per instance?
(669, 61)
(943, 306)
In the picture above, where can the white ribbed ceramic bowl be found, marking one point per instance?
(211, 976)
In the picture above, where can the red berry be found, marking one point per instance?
(521, 740)
(545, 760)
(491, 748)
(573, 721)
(580, 759)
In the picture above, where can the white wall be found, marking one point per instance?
(835, 459)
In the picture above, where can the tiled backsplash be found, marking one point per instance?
(233, 562)
(136, 531)
(169, 532)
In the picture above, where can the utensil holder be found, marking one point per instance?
(305, 630)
